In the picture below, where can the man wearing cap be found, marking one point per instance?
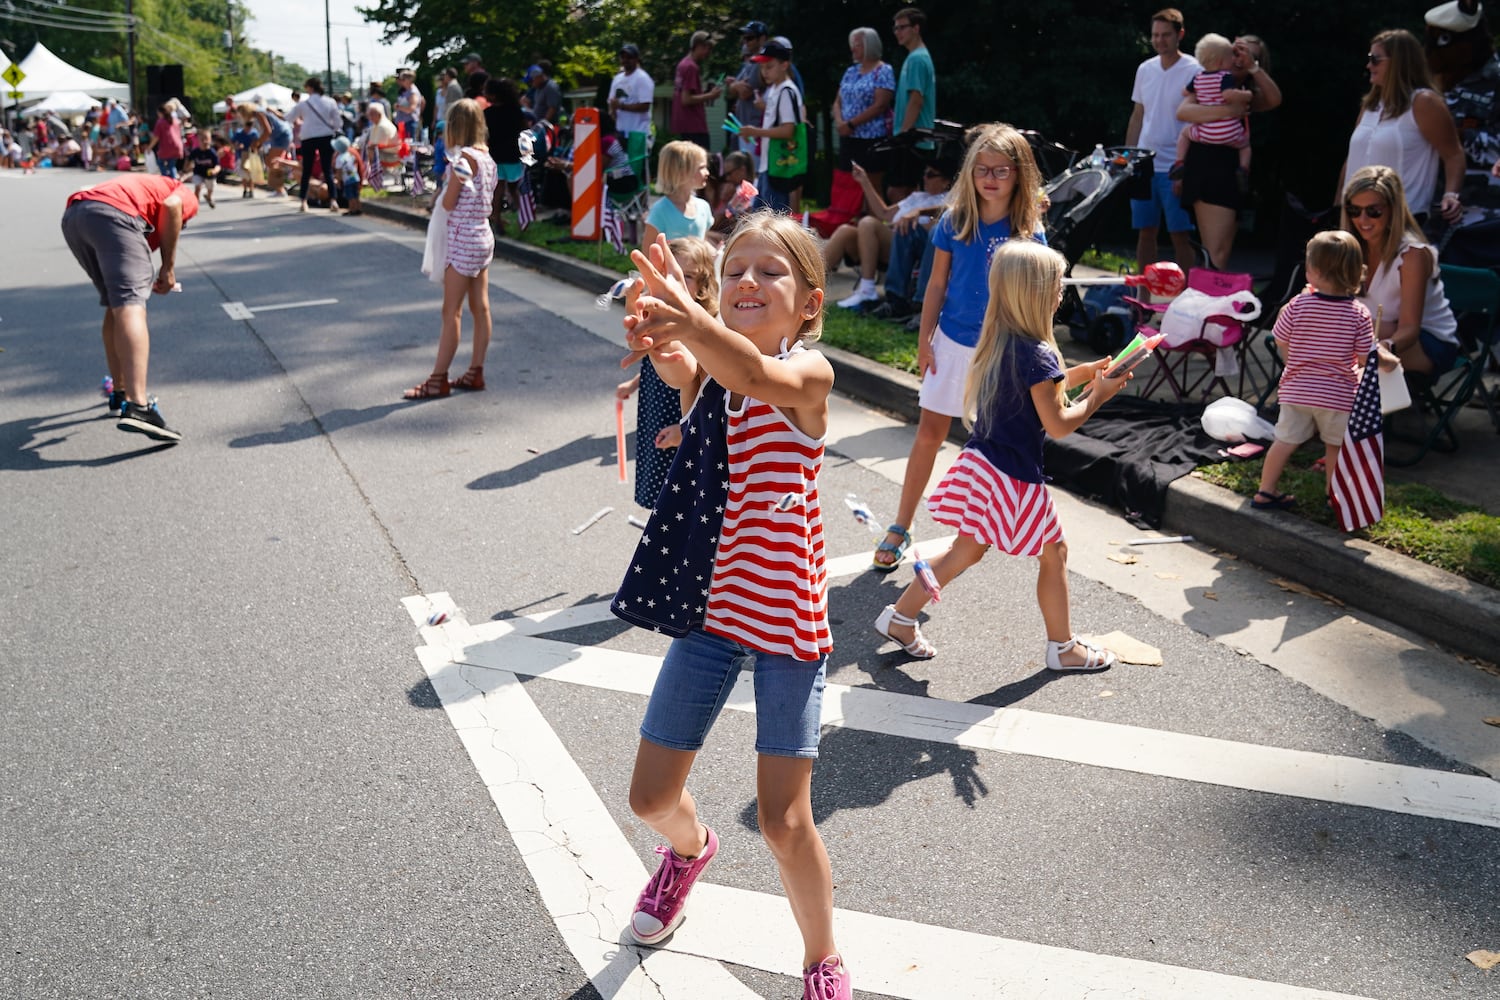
(112, 229)
(783, 111)
(630, 93)
(689, 99)
(1461, 55)
(473, 64)
(748, 84)
(543, 92)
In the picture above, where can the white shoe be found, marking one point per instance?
(860, 297)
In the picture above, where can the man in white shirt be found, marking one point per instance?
(631, 93)
(1159, 83)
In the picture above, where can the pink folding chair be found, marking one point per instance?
(1175, 364)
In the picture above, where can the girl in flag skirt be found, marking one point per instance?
(730, 565)
(995, 493)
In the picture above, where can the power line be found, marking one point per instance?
(63, 11)
(43, 20)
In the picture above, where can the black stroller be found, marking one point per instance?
(1078, 196)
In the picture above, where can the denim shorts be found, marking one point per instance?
(697, 677)
(1147, 214)
(1442, 353)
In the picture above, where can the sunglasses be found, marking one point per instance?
(999, 173)
(1355, 211)
(1375, 59)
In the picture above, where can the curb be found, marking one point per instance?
(1458, 613)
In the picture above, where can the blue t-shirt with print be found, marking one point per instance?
(1010, 433)
(969, 275)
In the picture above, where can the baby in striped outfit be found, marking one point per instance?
(1324, 335)
(1213, 53)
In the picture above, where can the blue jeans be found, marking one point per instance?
(167, 167)
(908, 250)
(769, 197)
(697, 677)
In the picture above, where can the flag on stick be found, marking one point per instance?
(1358, 487)
(613, 226)
(525, 201)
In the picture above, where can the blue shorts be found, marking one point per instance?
(697, 677)
(1147, 214)
(1442, 353)
(350, 189)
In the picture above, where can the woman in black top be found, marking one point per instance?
(504, 121)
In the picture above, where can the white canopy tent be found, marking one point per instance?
(46, 74)
(64, 102)
(272, 95)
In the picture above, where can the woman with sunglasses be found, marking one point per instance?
(1404, 124)
(1403, 287)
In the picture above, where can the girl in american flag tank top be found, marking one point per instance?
(731, 565)
(996, 493)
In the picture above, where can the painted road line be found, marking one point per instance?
(585, 870)
(238, 310)
(588, 875)
(1397, 788)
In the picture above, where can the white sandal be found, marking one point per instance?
(1095, 657)
(919, 647)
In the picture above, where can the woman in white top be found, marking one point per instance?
(1405, 124)
(1403, 287)
(321, 121)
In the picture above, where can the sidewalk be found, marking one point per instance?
(1446, 608)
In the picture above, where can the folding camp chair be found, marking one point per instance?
(846, 202)
(1175, 365)
(1474, 296)
(629, 195)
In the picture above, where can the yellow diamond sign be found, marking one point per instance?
(13, 75)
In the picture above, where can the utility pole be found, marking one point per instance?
(328, 45)
(130, 56)
(348, 63)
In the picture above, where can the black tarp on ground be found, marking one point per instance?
(1128, 453)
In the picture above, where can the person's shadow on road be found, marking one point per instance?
(315, 426)
(22, 441)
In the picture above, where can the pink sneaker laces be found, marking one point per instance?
(828, 980)
(666, 883)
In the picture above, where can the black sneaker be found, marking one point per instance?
(146, 420)
(116, 403)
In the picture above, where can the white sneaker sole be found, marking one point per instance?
(150, 430)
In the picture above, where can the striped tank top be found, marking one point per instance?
(1209, 89)
(769, 587)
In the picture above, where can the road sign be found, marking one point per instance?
(13, 75)
(16, 95)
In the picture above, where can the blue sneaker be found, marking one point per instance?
(146, 420)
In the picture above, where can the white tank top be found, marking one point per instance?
(1396, 143)
(1384, 295)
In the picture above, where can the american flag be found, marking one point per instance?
(613, 226)
(1358, 488)
(376, 171)
(418, 182)
(525, 203)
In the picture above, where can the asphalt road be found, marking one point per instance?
(232, 764)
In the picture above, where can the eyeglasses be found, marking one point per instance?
(1375, 59)
(928, 174)
(899, 26)
(1372, 211)
(999, 173)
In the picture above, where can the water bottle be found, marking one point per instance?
(1097, 158)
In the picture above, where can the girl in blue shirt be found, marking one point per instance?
(995, 194)
(996, 493)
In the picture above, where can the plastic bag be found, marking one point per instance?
(1234, 420)
(1183, 320)
(152, 167)
(434, 254)
(255, 167)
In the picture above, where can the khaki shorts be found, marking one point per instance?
(943, 391)
(1298, 423)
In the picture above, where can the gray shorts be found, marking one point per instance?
(112, 248)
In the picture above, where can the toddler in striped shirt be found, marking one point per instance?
(1324, 336)
(1214, 88)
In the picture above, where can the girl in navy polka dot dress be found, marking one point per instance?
(658, 418)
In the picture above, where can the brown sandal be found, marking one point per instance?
(436, 387)
(472, 379)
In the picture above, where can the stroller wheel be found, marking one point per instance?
(1106, 333)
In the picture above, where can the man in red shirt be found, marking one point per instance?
(112, 229)
(689, 99)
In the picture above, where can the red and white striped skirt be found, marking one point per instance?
(987, 505)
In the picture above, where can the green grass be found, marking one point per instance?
(1419, 521)
(1106, 261)
(878, 340)
(554, 237)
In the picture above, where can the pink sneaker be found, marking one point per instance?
(828, 980)
(659, 909)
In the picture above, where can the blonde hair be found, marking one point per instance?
(1339, 259)
(1385, 183)
(1025, 211)
(1406, 74)
(801, 248)
(465, 125)
(1213, 47)
(698, 258)
(677, 166)
(1025, 284)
